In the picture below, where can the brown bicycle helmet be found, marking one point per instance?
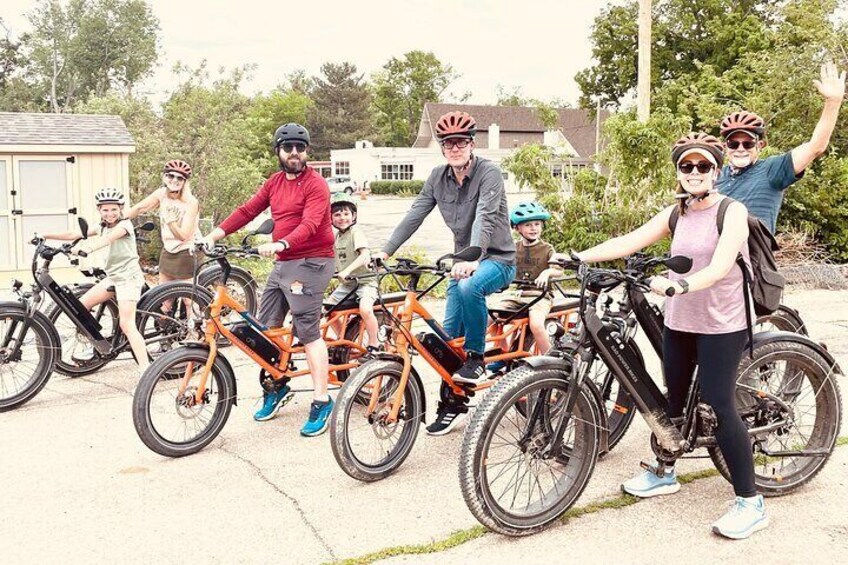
(455, 124)
(742, 121)
(703, 141)
(178, 166)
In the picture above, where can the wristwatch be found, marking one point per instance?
(284, 242)
(684, 285)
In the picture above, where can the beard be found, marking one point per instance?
(292, 166)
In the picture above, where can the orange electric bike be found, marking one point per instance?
(184, 399)
(379, 409)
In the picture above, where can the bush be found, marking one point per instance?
(403, 187)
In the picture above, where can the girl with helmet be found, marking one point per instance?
(178, 220)
(760, 184)
(531, 265)
(705, 320)
(352, 257)
(122, 267)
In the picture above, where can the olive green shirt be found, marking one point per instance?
(122, 261)
(347, 247)
(530, 261)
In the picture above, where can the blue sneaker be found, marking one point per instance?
(272, 402)
(748, 515)
(496, 367)
(319, 413)
(648, 484)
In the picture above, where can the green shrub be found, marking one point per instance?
(400, 187)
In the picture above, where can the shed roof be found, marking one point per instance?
(17, 128)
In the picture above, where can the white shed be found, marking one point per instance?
(51, 165)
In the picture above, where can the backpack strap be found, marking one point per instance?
(722, 212)
(672, 219)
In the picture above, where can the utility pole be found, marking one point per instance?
(643, 85)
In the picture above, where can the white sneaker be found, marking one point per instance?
(743, 519)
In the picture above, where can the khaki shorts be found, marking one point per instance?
(127, 289)
(511, 301)
(367, 294)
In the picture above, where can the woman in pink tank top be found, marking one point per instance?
(705, 322)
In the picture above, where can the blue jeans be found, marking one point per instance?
(465, 311)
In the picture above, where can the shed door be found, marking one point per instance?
(7, 232)
(42, 202)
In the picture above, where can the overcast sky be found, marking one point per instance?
(537, 45)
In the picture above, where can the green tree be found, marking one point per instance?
(684, 34)
(402, 88)
(17, 94)
(510, 96)
(89, 46)
(341, 113)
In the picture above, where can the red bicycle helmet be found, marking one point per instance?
(703, 141)
(455, 124)
(178, 166)
(742, 121)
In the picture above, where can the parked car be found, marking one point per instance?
(341, 184)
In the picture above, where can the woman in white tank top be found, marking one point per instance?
(178, 220)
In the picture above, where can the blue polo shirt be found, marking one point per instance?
(760, 187)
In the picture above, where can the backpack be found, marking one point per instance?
(763, 279)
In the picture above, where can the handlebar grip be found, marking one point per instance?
(82, 253)
(670, 291)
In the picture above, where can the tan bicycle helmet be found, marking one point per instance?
(742, 121)
(178, 166)
(455, 124)
(699, 141)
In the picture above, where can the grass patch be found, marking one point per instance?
(841, 441)
(455, 539)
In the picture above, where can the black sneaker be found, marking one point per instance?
(473, 371)
(447, 418)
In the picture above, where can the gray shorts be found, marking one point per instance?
(367, 294)
(299, 285)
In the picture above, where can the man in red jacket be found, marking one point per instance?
(299, 199)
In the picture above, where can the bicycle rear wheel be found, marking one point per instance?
(172, 422)
(510, 484)
(804, 382)
(366, 445)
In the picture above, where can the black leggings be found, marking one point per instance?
(717, 357)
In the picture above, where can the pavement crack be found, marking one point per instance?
(259, 473)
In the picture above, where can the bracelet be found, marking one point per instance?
(684, 285)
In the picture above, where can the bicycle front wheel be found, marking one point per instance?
(366, 443)
(790, 391)
(167, 415)
(27, 355)
(510, 481)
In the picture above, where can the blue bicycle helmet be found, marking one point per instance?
(527, 212)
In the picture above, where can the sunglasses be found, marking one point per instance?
(747, 144)
(174, 176)
(290, 147)
(703, 167)
(458, 143)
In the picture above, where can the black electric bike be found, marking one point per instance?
(31, 347)
(533, 442)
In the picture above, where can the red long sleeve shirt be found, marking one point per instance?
(300, 208)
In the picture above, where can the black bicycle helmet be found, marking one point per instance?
(290, 133)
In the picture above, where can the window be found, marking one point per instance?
(342, 168)
(396, 172)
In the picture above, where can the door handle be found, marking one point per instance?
(17, 212)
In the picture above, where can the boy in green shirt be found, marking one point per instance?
(352, 257)
(531, 265)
